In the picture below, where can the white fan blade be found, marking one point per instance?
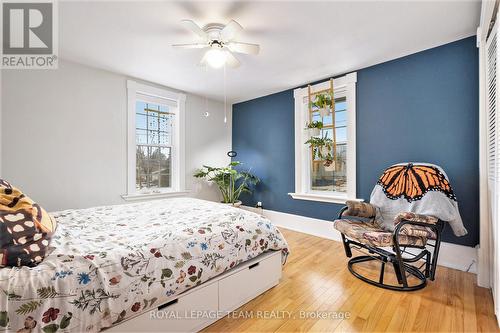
(247, 48)
(190, 46)
(230, 31)
(190, 25)
(231, 60)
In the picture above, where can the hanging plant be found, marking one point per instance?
(322, 102)
(321, 146)
(314, 128)
(329, 164)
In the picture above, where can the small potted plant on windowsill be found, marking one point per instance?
(231, 182)
(314, 128)
(323, 103)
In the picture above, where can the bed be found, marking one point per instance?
(111, 263)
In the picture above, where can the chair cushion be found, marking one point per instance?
(370, 234)
(416, 230)
(25, 228)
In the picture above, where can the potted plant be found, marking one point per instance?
(329, 164)
(230, 181)
(322, 148)
(314, 127)
(322, 102)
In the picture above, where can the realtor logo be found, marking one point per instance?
(29, 35)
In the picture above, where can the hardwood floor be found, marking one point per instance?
(316, 278)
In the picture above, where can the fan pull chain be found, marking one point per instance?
(225, 97)
(206, 114)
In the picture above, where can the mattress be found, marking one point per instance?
(110, 263)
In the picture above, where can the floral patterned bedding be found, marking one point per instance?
(110, 263)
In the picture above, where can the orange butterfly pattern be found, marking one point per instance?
(413, 181)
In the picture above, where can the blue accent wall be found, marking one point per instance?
(422, 107)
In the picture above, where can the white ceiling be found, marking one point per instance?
(300, 41)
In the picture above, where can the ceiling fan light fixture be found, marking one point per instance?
(215, 57)
(219, 41)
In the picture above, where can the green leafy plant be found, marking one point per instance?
(230, 181)
(322, 101)
(315, 124)
(319, 145)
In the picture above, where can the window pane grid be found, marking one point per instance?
(331, 179)
(153, 146)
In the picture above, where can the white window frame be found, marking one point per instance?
(177, 102)
(345, 86)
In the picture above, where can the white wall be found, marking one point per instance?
(63, 136)
(208, 139)
(1, 71)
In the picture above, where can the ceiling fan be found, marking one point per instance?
(219, 41)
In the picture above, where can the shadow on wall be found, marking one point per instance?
(204, 190)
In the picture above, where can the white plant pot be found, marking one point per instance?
(236, 204)
(323, 112)
(314, 131)
(324, 151)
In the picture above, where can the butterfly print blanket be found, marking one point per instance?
(420, 188)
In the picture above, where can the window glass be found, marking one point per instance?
(154, 126)
(331, 178)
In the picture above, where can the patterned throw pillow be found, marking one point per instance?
(360, 209)
(25, 228)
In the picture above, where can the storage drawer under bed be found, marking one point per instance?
(187, 313)
(199, 307)
(245, 284)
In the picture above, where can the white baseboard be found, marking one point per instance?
(463, 258)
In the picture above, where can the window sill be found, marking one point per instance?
(147, 196)
(322, 197)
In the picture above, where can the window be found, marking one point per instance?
(326, 179)
(314, 179)
(153, 133)
(155, 141)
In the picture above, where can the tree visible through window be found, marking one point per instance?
(154, 126)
